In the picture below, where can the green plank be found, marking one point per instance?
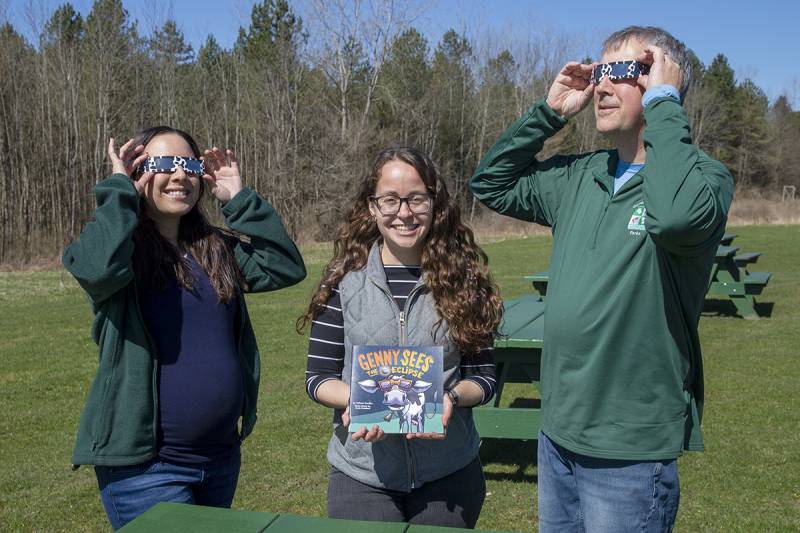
(727, 239)
(747, 258)
(757, 278)
(507, 422)
(726, 288)
(308, 524)
(168, 517)
(726, 251)
(539, 276)
(518, 315)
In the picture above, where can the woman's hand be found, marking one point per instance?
(127, 161)
(222, 173)
(373, 435)
(447, 412)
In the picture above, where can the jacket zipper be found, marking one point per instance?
(403, 340)
(402, 328)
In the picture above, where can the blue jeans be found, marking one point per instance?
(128, 491)
(586, 494)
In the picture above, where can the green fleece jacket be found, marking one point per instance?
(622, 373)
(120, 420)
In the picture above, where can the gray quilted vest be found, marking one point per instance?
(371, 316)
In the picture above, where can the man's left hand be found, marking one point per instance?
(663, 70)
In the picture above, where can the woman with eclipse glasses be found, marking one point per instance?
(177, 381)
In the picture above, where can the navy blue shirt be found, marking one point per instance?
(199, 373)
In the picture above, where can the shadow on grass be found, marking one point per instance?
(721, 307)
(519, 454)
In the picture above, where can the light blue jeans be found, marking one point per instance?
(128, 491)
(586, 494)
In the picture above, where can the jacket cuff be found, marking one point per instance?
(555, 120)
(239, 202)
(118, 179)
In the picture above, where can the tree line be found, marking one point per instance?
(306, 104)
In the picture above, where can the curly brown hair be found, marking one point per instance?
(456, 268)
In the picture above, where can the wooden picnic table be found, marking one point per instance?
(517, 352)
(183, 518)
(730, 278)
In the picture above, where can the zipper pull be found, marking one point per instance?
(402, 328)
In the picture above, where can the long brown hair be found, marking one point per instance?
(154, 256)
(455, 267)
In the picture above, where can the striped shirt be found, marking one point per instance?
(326, 345)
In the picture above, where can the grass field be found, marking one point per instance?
(747, 480)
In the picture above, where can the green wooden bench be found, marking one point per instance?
(184, 518)
(743, 260)
(727, 238)
(517, 352)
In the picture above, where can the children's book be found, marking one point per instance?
(397, 388)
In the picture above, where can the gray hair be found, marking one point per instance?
(657, 37)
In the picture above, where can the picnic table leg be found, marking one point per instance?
(502, 376)
(541, 288)
(745, 305)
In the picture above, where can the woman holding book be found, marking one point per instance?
(177, 381)
(405, 272)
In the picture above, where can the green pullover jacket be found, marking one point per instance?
(622, 373)
(120, 420)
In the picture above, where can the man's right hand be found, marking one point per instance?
(572, 89)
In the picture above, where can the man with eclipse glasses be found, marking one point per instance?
(635, 231)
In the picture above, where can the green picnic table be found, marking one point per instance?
(517, 353)
(184, 518)
(730, 278)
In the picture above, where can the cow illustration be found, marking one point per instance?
(404, 398)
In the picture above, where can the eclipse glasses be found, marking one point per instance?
(171, 163)
(619, 70)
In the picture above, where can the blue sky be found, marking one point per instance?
(760, 39)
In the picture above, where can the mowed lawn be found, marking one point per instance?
(747, 480)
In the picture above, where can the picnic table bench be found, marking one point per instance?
(727, 238)
(184, 518)
(730, 278)
(517, 353)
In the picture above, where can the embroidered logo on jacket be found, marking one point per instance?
(638, 217)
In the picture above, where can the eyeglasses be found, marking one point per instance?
(389, 204)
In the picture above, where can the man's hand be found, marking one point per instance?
(572, 89)
(663, 70)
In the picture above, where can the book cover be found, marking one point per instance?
(397, 388)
